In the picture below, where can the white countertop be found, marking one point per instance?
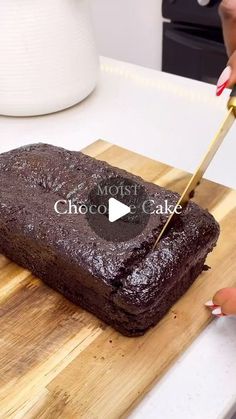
(170, 119)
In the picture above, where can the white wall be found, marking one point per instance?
(129, 30)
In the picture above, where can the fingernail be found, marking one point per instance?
(223, 80)
(210, 304)
(218, 312)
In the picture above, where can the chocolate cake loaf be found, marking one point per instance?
(124, 283)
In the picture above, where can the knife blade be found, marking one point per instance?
(205, 162)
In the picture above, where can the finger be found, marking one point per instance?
(229, 307)
(222, 296)
(226, 299)
(227, 11)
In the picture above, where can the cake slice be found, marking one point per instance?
(124, 283)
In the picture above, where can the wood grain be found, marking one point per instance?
(58, 361)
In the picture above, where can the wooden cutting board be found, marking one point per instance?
(58, 361)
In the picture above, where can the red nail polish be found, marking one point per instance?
(223, 80)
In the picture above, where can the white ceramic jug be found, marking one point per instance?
(48, 58)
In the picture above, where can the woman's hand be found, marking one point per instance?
(223, 303)
(227, 11)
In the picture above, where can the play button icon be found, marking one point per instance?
(117, 210)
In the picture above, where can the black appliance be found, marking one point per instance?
(193, 43)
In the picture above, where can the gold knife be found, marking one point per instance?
(197, 176)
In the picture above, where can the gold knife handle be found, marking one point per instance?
(232, 99)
